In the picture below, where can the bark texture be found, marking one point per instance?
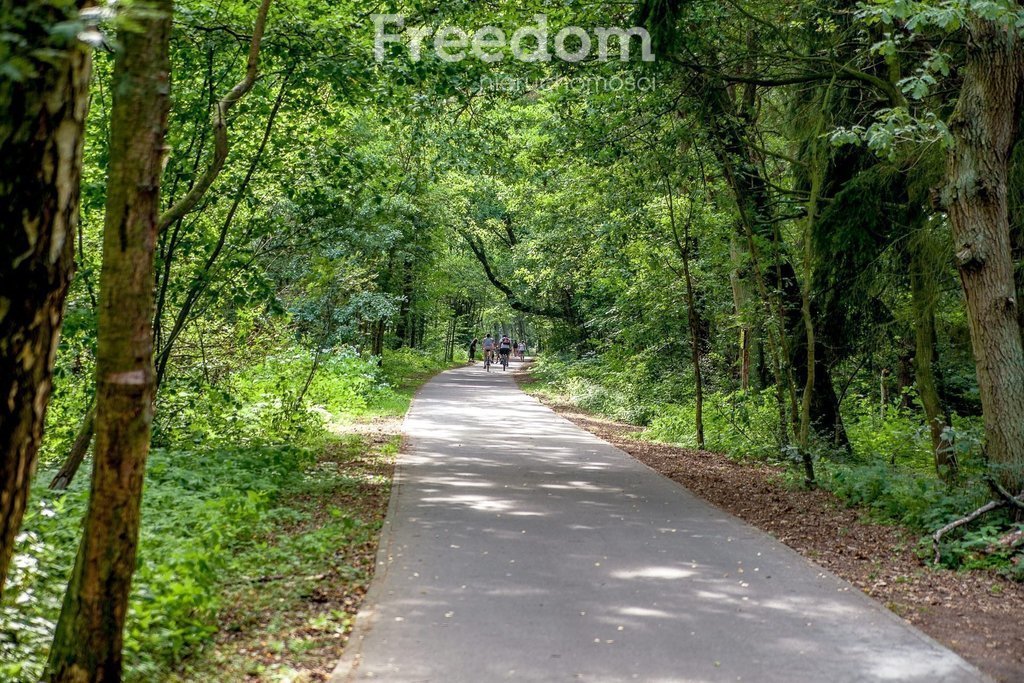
(41, 131)
(88, 639)
(984, 127)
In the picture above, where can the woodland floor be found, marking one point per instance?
(977, 614)
(293, 627)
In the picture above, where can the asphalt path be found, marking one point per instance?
(519, 547)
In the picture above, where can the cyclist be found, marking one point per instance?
(488, 349)
(504, 349)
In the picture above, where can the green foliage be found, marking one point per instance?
(644, 390)
(260, 404)
(897, 438)
(913, 499)
(214, 499)
(604, 384)
(406, 366)
(200, 508)
(740, 424)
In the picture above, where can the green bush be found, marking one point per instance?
(919, 501)
(261, 404)
(740, 424)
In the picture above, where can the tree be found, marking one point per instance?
(173, 216)
(985, 127)
(87, 643)
(44, 99)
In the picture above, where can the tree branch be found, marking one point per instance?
(477, 247)
(220, 126)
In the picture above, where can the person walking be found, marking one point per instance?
(472, 350)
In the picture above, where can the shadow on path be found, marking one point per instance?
(520, 547)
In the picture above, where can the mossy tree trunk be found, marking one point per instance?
(923, 293)
(88, 639)
(984, 128)
(41, 133)
(739, 161)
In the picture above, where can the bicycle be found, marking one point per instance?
(504, 361)
(487, 360)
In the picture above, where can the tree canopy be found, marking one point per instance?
(795, 231)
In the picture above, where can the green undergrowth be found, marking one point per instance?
(890, 472)
(261, 402)
(226, 502)
(287, 599)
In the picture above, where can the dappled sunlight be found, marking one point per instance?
(483, 503)
(525, 549)
(809, 607)
(898, 665)
(581, 486)
(450, 481)
(653, 573)
(644, 612)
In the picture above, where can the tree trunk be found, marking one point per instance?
(83, 439)
(984, 127)
(76, 456)
(1018, 260)
(743, 173)
(41, 134)
(816, 168)
(402, 323)
(698, 379)
(88, 638)
(740, 296)
(692, 317)
(377, 341)
(904, 367)
(883, 392)
(922, 300)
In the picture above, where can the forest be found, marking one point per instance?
(791, 232)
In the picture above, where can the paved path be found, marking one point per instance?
(521, 548)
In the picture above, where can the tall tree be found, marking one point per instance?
(87, 643)
(984, 127)
(43, 103)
